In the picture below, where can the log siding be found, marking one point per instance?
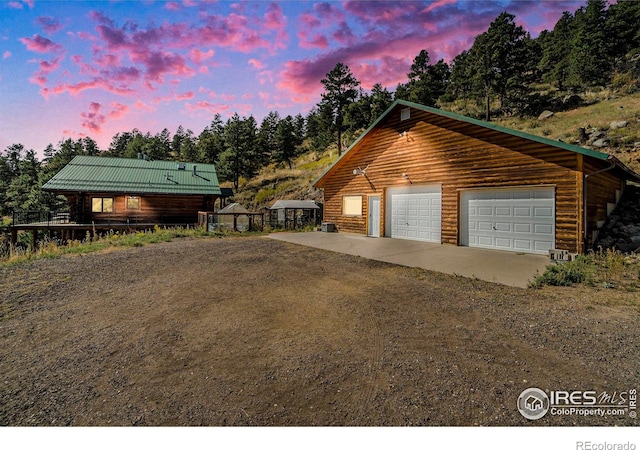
(162, 209)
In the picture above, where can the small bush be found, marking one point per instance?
(577, 271)
(605, 268)
(612, 264)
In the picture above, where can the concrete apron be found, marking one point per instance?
(509, 268)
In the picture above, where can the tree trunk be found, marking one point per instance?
(488, 106)
(339, 126)
(487, 115)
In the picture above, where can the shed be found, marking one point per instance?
(292, 214)
(123, 190)
(233, 217)
(421, 173)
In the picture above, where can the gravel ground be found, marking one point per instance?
(252, 331)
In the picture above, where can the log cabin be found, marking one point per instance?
(425, 174)
(124, 190)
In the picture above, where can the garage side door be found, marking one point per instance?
(519, 220)
(415, 213)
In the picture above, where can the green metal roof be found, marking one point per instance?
(134, 176)
(532, 137)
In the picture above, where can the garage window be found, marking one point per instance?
(102, 205)
(352, 205)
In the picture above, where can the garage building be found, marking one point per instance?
(425, 174)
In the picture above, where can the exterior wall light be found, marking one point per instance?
(359, 171)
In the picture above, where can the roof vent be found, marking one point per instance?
(405, 114)
(182, 166)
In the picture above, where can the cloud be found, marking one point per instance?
(81, 86)
(174, 97)
(118, 110)
(208, 107)
(158, 64)
(437, 4)
(325, 22)
(93, 119)
(197, 56)
(40, 44)
(133, 58)
(7, 54)
(390, 35)
(50, 66)
(143, 106)
(256, 64)
(276, 21)
(49, 24)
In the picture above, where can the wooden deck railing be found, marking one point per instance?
(40, 217)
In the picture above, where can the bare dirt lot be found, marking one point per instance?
(252, 331)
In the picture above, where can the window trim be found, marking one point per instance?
(351, 198)
(132, 197)
(102, 210)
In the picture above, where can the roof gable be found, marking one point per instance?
(488, 125)
(136, 176)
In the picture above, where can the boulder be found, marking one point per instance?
(618, 124)
(600, 143)
(545, 114)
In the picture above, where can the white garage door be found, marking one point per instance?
(519, 220)
(415, 213)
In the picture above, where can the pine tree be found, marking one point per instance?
(556, 49)
(286, 142)
(427, 82)
(340, 90)
(498, 61)
(590, 62)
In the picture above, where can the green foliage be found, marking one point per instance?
(340, 90)
(427, 82)
(577, 271)
(606, 268)
(589, 57)
(49, 249)
(499, 62)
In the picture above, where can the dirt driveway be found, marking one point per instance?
(252, 331)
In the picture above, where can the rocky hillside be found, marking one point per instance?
(622, 229)
(277, 182)
(605, 122)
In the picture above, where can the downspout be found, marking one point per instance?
(584, 200)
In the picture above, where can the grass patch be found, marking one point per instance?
(49, 249)
(607, 269)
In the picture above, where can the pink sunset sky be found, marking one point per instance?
(70, 69)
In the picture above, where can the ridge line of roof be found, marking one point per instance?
(118, 158)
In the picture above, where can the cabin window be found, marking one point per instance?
(352, 205)
(133, 202)
(102, 205)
